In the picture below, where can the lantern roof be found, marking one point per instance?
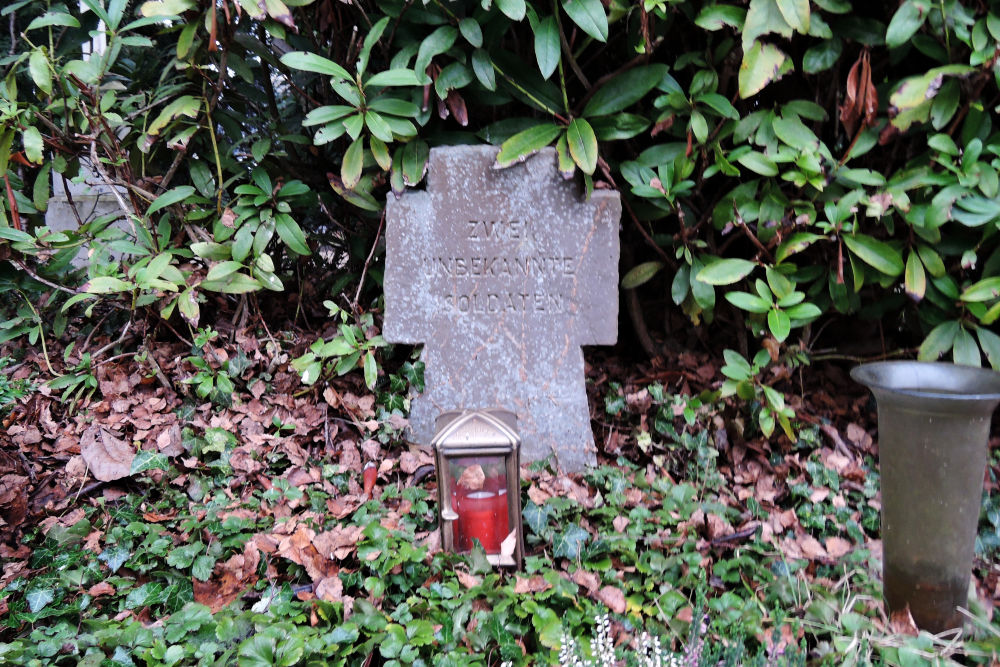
(476, 429)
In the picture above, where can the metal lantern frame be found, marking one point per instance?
(479, 433)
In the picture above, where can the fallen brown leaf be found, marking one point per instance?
(586, 578)
(533, 584)
(169, 441)
(338, 542)
(613, 598)
(811, 548)
(467, 580)
(472, 478)
(108, 457)
(330, 589)
(837, 547)
(901, 623)
(103, 588)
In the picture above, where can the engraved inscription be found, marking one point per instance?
(499, 266)
(498, 230)
(509, 302)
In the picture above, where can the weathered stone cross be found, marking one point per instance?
(503, 275)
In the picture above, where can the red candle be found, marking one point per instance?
(482, 515)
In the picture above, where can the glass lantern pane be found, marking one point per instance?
(479, 497)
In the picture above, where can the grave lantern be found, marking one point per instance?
(477, 453)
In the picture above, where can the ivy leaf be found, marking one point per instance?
(182, 557)
(535, 517)
(547, 46)
(39, 598)
(526, 143)
(148, 460)
(590, 16)
(877, 254)
(569, 543)
(582, 143)
(114, 557)
(202, 567)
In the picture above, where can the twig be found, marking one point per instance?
(639, 324)
(93, 330)
(28, 468)
(115, 358)
(128, 325)
(181, 154)
(24, 267)
(263, 322)
(667, 259)
(15, 216)
(833, 356)
(568, 52)
(93, 486)
(361, 283)
(179, 336)
(156, 369)
(69, 200)
(131, 216)
(736, 536)
(13, 33)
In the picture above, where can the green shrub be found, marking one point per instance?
(811, 159)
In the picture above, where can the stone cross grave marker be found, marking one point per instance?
(91, 197)
(503, 274)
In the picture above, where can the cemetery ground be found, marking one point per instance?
(195, 503)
